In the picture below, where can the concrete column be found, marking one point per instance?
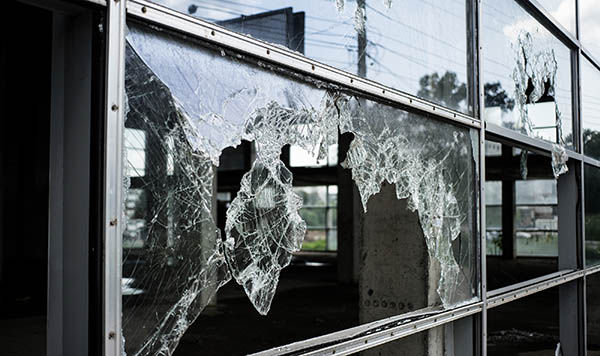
(396, 273)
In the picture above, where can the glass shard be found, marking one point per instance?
(523, 164)
(535, 76)
(173, 257)
(559, 160)
(398, 148)
(527, 81)
(263, 230)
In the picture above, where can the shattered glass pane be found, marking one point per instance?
(174, 260)
(187, 104)
(381, 40)
(426, 160)
(559, 160)
(263, 230)
(527, 74)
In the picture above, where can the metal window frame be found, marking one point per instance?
(113, 146)
(149, 12)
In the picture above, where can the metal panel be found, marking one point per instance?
(150, 12)
(513, 137)
(482, 222)
(114, 109)
(591, 161)
(357, 339)
(531, 289)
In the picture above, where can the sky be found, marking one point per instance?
(418, 37)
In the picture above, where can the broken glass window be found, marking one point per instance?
(427, 162)
(188, 103)
(527, 74)
(381, 40)
(173, 258)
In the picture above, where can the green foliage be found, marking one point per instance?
(318, 245)
(591, 143)
(314, 217)
(446, 90)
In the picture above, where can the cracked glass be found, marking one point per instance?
(193, 228)
(381, 40)
(526, 73)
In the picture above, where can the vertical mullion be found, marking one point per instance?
(579, 118)
(478, 80)
(113, 141)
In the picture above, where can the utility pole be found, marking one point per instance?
(361, 10)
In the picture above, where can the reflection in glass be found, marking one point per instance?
(539, 191)
(493, 215)
(592, 215)
(589, 26)
(563, 11)
(527, 74)
(590, 108)
(422, 55)
(186, 260)
(536, 218)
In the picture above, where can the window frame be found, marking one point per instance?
(572, 269)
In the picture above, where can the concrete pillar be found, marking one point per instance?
(396, 273)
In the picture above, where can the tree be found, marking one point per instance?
(446, 90)
(495, 96)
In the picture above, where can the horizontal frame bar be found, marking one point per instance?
(590, 57)
(525, 284)
(378, 337)
(592, 270)
(591, 161)
(157, 14)
(531, 143)
(513, 295)
(543, 16)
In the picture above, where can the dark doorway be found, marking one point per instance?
(24, 162)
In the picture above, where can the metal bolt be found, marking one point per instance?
(115, 107)
(113, 222)
(144, 9)
(111, 335)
